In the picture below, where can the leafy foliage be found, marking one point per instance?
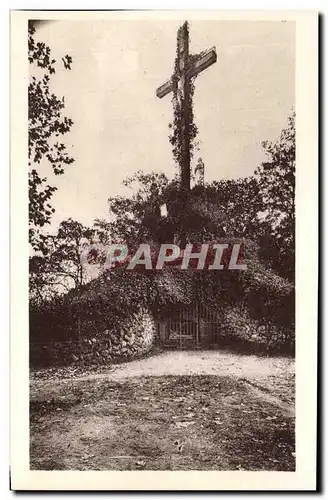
(59, 268)
(220, 208)
(136, 218)
(276, 179)
(45, 124)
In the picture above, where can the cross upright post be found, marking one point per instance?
(183, 105)
(179, 84)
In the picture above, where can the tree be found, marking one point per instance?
(221, 208)
(238, 203)
(276, 178)
(138, 217)
(46, 123)
(60, 268)
(102, 231)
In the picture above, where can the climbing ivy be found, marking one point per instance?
(176, 136)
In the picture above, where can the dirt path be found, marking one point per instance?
(202, 363)
(157, 414)
(273, 374)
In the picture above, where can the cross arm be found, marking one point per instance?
(204, 62)
(207, 59)
(165, 89)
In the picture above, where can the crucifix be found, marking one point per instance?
(187, 67)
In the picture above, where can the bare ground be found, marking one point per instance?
(174, 411)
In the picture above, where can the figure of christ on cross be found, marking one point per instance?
(186, 68)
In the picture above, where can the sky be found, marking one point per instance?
(120, 126)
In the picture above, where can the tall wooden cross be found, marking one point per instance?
(187, 67)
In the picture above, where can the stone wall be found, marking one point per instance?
(133, 339)
(238, 325)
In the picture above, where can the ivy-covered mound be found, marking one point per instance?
(114, 316)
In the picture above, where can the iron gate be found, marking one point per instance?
(193, 326)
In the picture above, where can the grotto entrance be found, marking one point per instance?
(190, 326)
